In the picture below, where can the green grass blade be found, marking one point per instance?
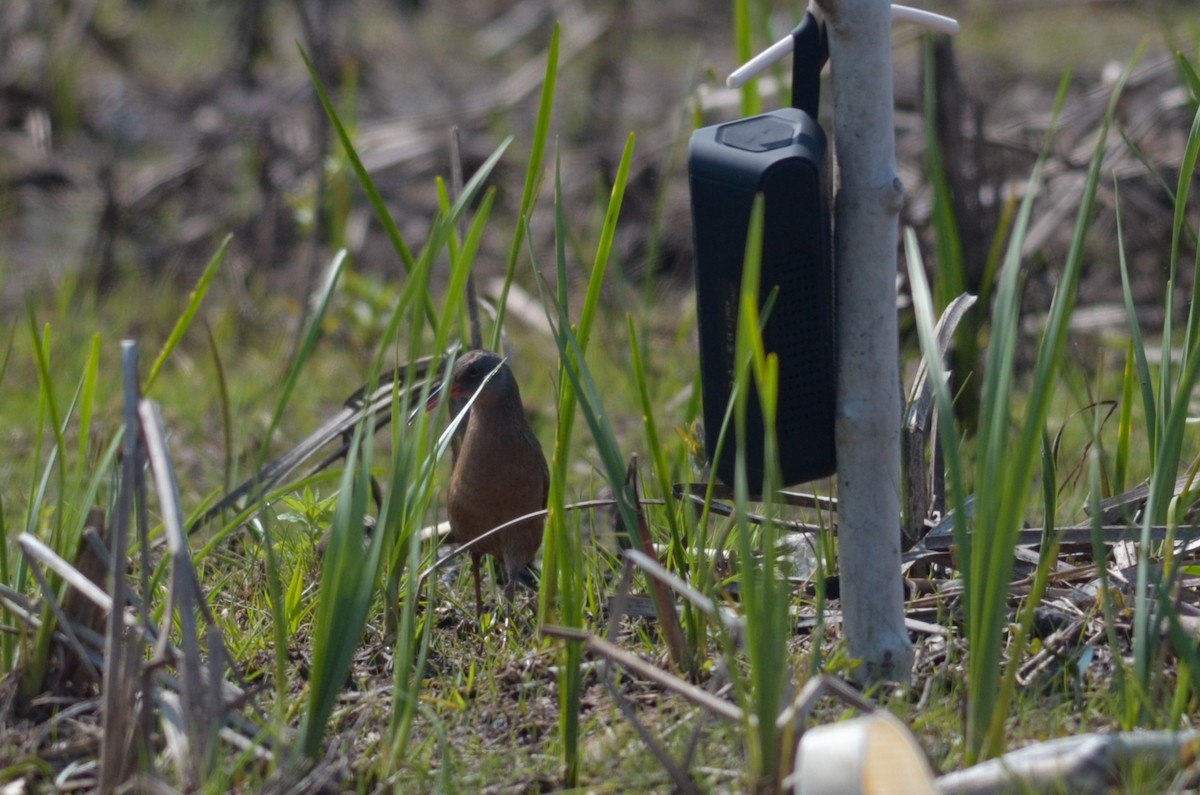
(444, 204)
(463, 260)
(7, 641)
(41, 346)
(416, 287)
(1172, 405)
(559, 461)
(985, 553)
(533, 178)
(364, 177)
(189, 313)
(1162, 489)
(281, 618)
(591, 300)
(87, 405)
(348, 578)
(37, 661)
(563, 555)
(764, 600)
(743, 38)
(583, 391)
(951, 280)
(1109, 610)
(12, 335)
(988, 564)
(1137, 348)
(1187, 170)
(1124, 424)
(223, 400)
(1015, 473)
(412, 645)
(306, 348)
(658, 456)
(1187, 74)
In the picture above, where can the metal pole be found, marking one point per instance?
(868, 202)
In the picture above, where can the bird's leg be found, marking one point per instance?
(475, 570)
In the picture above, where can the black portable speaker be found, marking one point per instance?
(778, 154)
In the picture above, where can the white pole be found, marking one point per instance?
(869, 197)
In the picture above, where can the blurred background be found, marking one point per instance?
(136, 134)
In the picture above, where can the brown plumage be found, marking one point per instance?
(501, 472)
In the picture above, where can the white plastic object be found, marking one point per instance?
(758, 63)
(872, 755)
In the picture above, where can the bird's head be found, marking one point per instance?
(471, 371)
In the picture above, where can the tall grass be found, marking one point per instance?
(1166, 412)
(60, 499)
(565, 573)
(533, 177)
(743, 40)
(1009, 449)
(354, 575)
(765, 592)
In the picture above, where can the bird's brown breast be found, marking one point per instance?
(501, 474)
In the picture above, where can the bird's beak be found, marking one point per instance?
(435, 397)
(431, 402)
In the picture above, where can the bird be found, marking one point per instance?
(500, 473)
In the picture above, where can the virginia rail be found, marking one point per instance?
(501, 472)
